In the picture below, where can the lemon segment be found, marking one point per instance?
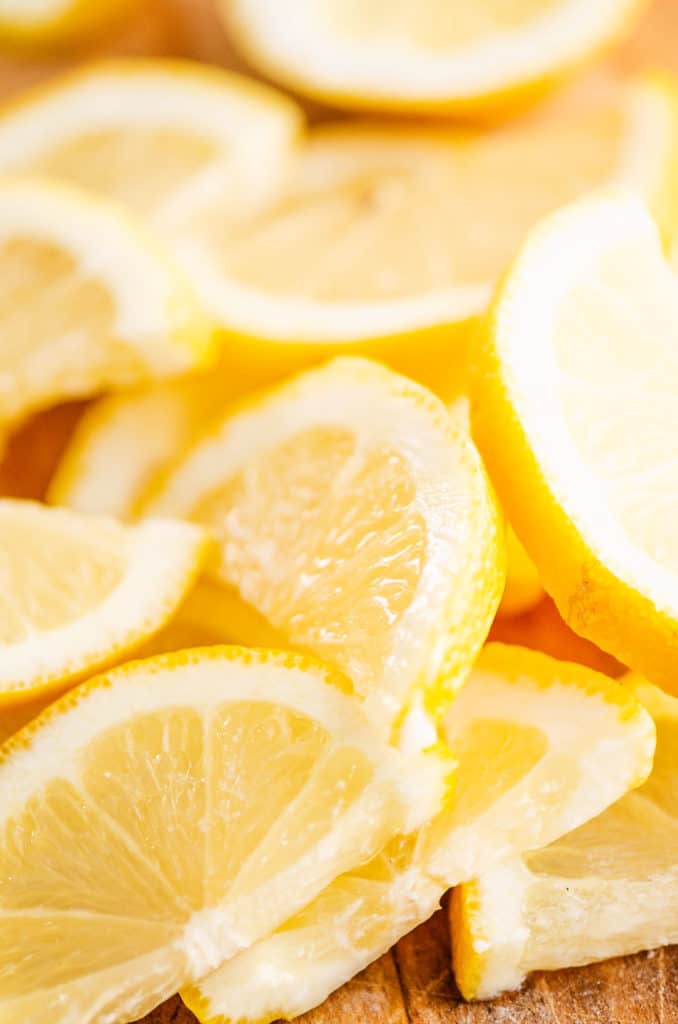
(80, 592)
(540, 744)
(355, 516)
(609, 888)
(123, 831)
(575, 413)
(433, 56)
(87, 301)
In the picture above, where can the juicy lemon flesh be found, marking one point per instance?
(435, 24)
(139, 167)
(337, 564)
(51, 313)
(54, 582)
(371, 217)
(617, 389)
(166, 814)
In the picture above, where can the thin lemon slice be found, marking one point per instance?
(541, 745)
(356, 517)
(56, 21)
(386, 238)
(124, 442)
(87, 301)
(437, 55)
(163, 817)
(607, 889)
(166, 137)
(576, 414)
(79, 592)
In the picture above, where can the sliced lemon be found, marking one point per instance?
(124, 442)
(608, 889)
(79, 593)
(577, 417)
(163, 817)
(166, 137)
(87, 301)
(523, 587)
(541, 745)
(356, 517)
(432, 56)
(56, 21)
(386, 239)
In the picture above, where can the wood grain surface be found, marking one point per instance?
(413, 984)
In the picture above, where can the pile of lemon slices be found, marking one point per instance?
(252, 728)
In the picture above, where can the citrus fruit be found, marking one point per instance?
(165, 816)
(166, 137)
(607, 889)
(81, 592)
(576, 416)
(87, 301)
(385, 240)
(432, 56)
(541, 745)
(124, 442)
(355, 516)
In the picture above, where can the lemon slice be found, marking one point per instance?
(541, 745)
(123, 443)
(87, 301)
(161, 818)
(389, 239)
(56, 21)
(356, 517)
(576, 415)
(445, 56)
(608, 889)
(523, 587)
(79, 593)
(166, 137)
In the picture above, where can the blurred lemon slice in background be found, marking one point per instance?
(575, 413)
(540, 744)
(124, 835)
(386, 240)
(436, 55)
(57, 22)
(87, 301)
(608, 889)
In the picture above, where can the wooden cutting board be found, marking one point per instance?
(413, 984)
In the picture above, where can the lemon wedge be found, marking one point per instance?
(87, 301)
(575, 413)
(80, 593)
(165, 816)
(355, 516)
(541, 745)
(607, 889)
